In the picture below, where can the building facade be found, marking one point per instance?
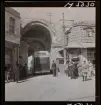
(12, 37)
(81, 41)
(39, 35)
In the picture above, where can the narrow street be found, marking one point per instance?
(38, 40)
(49, 88)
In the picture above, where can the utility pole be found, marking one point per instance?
(50, 15)
(65, 38)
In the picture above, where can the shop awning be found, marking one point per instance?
(80, 45)
(88, 45)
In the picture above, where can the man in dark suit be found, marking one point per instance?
(54, 68)
(17, 73)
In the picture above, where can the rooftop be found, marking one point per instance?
(12, 11)
(76, 44)
(56, 45)
(84, 23)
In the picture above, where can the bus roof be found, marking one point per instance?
(41, 51)
(41, 54)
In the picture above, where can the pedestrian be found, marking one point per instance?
(66, 68)
(6, 73)
(58, 71)
(85, 71)
(54, 68)
(75, 70)
(10, 72)
(69, 69)
(72, 69)
(90, 69)
(79, 69)
(5, 68)
(21, 72)
(17, 73)
(25, 70)
(13, 74)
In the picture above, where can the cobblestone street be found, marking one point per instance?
(49, 88)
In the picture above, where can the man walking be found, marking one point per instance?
(79, 69)
(25, 71)
(7, 73)
(90, 69)
(66, 68)
(17, 73)
(54, 68)
(76, 70)
(85, 71)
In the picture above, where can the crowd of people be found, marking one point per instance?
(9, 73)
(74, 70)
(15, 75)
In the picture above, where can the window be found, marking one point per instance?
(7, 59)
(93, 61)
(94, 30)
(89, 32)
(91, 53)
(61, 61)
(11, 25)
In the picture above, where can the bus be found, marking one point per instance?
(41, 63)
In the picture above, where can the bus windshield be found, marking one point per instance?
(42, 60)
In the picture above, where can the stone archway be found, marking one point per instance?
(36, 35)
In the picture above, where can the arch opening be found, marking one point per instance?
(38, 36)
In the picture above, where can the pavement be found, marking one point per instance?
(49, 88)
